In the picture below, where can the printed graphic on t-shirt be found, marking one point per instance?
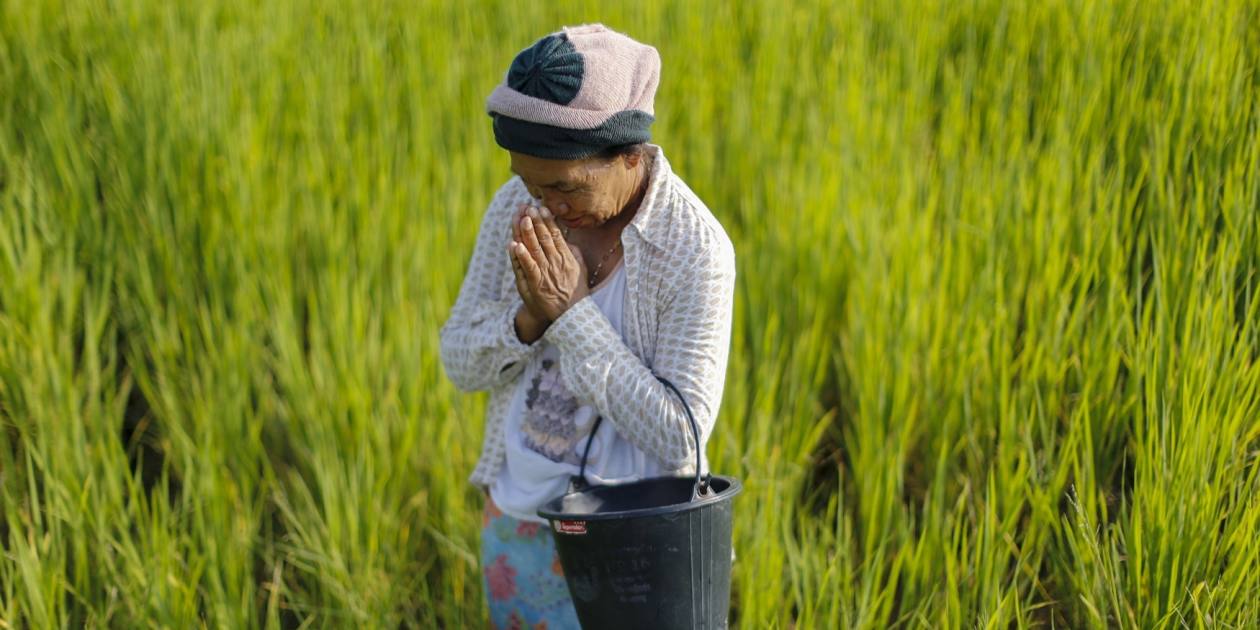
(553, 421)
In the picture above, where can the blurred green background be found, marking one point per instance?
(996, 355)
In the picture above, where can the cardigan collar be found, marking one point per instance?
(652, 218)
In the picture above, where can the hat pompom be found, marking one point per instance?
(550, 70)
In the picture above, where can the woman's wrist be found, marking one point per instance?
(528, 327)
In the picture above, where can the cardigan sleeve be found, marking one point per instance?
(692, 351)
(479, 346)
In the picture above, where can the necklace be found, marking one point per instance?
(594, 277)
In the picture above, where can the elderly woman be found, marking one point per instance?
(595, 271)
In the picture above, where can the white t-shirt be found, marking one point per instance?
(547, 429)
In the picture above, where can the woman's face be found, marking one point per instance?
(582, 193)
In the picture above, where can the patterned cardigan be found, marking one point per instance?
(680, 284)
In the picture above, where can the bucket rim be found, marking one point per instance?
(734, 488)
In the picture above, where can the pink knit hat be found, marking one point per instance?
(576, 92)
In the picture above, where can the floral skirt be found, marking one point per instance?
(521, 574)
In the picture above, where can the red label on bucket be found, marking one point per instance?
(571, 527)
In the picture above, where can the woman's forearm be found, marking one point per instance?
(479, 346)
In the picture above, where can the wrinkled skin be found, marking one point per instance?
(594, 199)
(551, 274)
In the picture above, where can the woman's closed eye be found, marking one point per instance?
(566, 190)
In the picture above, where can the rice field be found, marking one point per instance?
(996, 349)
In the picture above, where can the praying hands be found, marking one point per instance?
(550, 273)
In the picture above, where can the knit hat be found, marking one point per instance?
(576, 92)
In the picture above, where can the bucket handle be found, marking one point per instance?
(701, 488)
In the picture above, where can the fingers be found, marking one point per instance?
(529, 238)
(532, 272)
(522, 285)
(542, 232)
(553, 230)
(525, 252)
(516, 221)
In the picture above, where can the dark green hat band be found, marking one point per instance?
(559, 143)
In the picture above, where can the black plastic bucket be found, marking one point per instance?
(654, 553)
